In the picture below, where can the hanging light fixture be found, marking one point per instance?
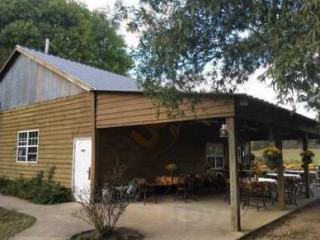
(223, 131)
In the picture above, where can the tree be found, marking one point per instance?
(74, 31)
(185, 44)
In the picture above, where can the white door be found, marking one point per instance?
(82, 168)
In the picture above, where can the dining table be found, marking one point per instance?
(312, 173)
(268, 180)
(286, 175)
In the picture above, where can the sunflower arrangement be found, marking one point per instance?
(307, 156)
(273, 155)
(256, 170)
(307, 153)
(171, 167)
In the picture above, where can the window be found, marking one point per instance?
(215, 156)
(27, 149)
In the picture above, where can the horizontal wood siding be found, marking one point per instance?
(117, 109)
(59, 122)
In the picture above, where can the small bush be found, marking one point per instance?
(103, 212)
(37, 189)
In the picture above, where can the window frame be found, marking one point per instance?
(28, 146)
(216, 155)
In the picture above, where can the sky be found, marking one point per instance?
(253, 87)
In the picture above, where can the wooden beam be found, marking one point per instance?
(306, 167)
(234, 178)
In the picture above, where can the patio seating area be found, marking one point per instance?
(257, 191)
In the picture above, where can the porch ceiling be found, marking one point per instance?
(263, 115)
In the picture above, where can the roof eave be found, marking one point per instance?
(8, 63)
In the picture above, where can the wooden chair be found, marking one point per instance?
(198, 185)
(145, 189)
(291, 188)
(317, 181)
(185, 188)
(182, 188)
(268, 191)
(301, 184)
(142, 191)
(256, 191)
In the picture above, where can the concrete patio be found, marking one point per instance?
(208, 218)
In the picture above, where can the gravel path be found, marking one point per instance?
(301, 225)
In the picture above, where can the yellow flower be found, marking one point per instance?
(171, 167)
(272, 151)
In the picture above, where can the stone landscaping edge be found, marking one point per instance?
(278, 220)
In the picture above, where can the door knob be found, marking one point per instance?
(89, 173)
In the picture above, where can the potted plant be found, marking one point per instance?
(171, 168)
(272, 155)
(307, 157)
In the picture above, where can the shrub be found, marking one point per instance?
(103, 212)
(37, 189)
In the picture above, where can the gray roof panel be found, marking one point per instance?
(100, 80)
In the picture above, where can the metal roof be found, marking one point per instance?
(98, 79)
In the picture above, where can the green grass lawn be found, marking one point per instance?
(292, 156)
(12, 223)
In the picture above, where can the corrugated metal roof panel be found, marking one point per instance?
(100, 80)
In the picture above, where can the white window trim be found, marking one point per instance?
(219, 155)
(17, 154)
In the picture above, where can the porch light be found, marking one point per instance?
(223, 131)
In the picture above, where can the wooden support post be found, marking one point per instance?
(95, 147)
(275, 138)
(280, 170)
(234, 180)
(306, 167)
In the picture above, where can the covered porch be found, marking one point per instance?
(198, 145)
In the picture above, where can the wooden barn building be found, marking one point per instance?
(55, 112)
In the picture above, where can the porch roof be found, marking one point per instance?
(136, 109)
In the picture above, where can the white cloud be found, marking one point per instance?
(253, 87)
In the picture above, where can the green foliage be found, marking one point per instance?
(37, 189)
(74, 31)
(186, 44)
